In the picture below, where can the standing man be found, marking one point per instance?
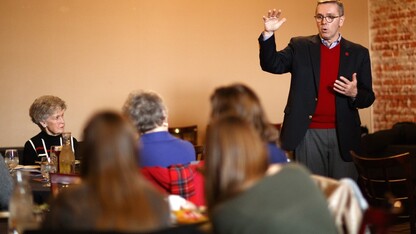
(331, 79)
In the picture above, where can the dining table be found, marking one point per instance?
(40, 190)
(41, 197)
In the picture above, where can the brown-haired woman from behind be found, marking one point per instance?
(245, 196)
(241, 100)
(112, 195)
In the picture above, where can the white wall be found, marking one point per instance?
(92, 53)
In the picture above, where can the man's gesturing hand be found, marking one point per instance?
(272, 21)
(346, 87)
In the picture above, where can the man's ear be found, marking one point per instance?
(165, 122)
(341, 21)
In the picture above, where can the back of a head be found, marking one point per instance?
(235, 99)
(109, 169)
(146, 110)
(240, 100)
(109, 145)
(235, 156)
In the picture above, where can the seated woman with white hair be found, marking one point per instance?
(48, 113)
(158, 147)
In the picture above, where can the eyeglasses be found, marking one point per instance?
(329, 18)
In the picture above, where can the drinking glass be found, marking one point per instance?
(11, 158)
(46, 167)
(54, 155)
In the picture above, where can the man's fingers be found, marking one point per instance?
(273, 13)
(354, 77)
(343, 79)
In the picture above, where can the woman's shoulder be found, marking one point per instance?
(35, 140)
(37, 137)
(290, 175)
(75, 140)
(289, 168)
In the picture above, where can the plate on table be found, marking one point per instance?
(185, 212)
(76, 162)
(30, 168)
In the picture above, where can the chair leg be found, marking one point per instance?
(412, 214)
(412, 222)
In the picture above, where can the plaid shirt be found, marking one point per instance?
(182, 180)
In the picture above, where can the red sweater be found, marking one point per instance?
(324, 116)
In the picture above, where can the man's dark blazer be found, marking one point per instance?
(302, 59)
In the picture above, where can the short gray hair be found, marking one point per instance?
(338, 2)
(45, 106)
(145, 109)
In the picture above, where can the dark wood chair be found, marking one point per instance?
(188, 133)
(389, 183)
(200, 152)
(379, 220)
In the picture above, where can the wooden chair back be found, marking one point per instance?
(200, 152)
(188, 133)
(389, 182)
